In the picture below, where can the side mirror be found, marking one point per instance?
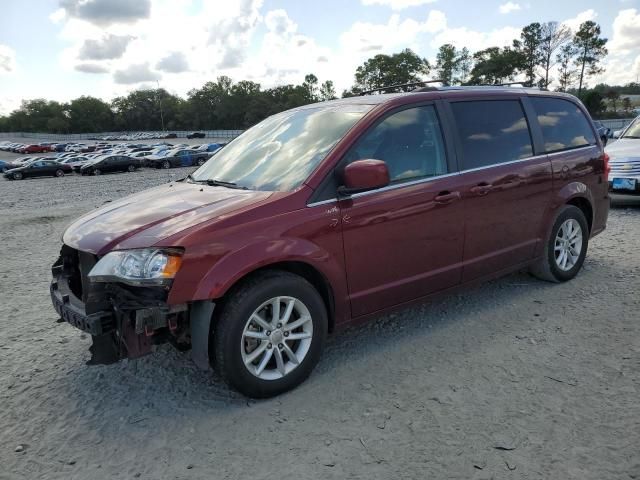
(617, 134)
(363, 175)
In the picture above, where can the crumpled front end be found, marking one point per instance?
(124, 321)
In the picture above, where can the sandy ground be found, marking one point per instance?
(516, 379)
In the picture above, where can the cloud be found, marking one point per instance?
(105, 12)
(136, 73)
(626, 31)
(278, 21)
(7, 59)
(398, 4)
(368, 37)
(175, 62)
(91, 68)
(509, 7)
(575, 22)
(436, 21)
(231, 29)
(108, 47)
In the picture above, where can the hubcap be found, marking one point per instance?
(568, 244)
(276, 338)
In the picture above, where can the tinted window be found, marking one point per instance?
(492, 132)
(410, 142)
(280, 152)
(563, 124)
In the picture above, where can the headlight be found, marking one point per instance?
(147, 266)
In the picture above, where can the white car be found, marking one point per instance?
(624, 160)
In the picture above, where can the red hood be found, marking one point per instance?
(143, 219)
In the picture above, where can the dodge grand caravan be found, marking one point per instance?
(324, 215)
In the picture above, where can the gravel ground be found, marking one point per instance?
(516, 379)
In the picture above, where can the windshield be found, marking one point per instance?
(280, 152)
(633, 131)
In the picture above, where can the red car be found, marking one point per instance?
(34, 148)
(328, 214)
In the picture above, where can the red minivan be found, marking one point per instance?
(327, 214)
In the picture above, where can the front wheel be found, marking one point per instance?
(270, 334)
(200, 162)
(566, 247)
(166, 164)
(59, 173)
(131, 168)
(97, 171)
(17, 176)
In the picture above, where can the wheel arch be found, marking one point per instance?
(301, 268)
(583, 204)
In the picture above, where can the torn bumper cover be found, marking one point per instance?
(124, 321)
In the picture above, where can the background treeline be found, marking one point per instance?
(548, 55)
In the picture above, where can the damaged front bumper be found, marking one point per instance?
(124, 321)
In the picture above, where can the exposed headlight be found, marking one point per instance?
(147, 266)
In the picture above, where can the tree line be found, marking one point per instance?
(545, 55)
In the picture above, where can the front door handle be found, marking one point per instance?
(481, 189)
(444, 198)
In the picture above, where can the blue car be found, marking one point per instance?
(5, 165)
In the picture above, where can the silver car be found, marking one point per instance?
(624, 160)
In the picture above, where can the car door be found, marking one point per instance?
(36, 169)
(506, 186)
(405, 240)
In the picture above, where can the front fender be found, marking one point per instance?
(227, 270)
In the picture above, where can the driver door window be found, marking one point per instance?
(409, 142)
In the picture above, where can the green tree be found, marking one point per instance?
(529, 46)
(567, 74)
(311, 86)
(385, 70)
(89, 114)
(464, 65)
(446, 62)
(327, 91)
(613, 96)
(495, 65)
(594, 101)
(590, 49)
(554, 36)
(626, 105)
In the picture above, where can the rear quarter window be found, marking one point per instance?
(492, 132)
(564, 126)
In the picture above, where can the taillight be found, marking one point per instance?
(607, 167)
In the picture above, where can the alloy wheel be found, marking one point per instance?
(568, 244)
(276, 338)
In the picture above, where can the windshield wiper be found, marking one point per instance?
(630, 136)
(220, 183)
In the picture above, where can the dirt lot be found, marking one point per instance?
(517, 379)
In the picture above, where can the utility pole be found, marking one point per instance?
(160, 101)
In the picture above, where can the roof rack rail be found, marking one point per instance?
(413, 84)
(504, 84)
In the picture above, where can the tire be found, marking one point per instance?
(97, 171)
(200, 162)
(233, 348)
(550, 266)
(166, 164)
(59, 173)
(131, 168)
(17, 176)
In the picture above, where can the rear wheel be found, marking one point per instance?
(200, 162)
(566, 247)
(131, 168)
(17, 176)
(97, 171)
(59, 173)
(270, 334)
(166, 164)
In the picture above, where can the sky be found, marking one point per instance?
(62, 49)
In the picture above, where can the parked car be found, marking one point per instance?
(33, 148)
(208, 147)
(603, 132)
(177, 158)
(325, 215)
(7, 165)
(109, 163)
(196, 135)
(624, 156)
(77, 161)
(38, 168)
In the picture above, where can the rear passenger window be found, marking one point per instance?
(492, 132)
(410, 142)
(563, 124)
